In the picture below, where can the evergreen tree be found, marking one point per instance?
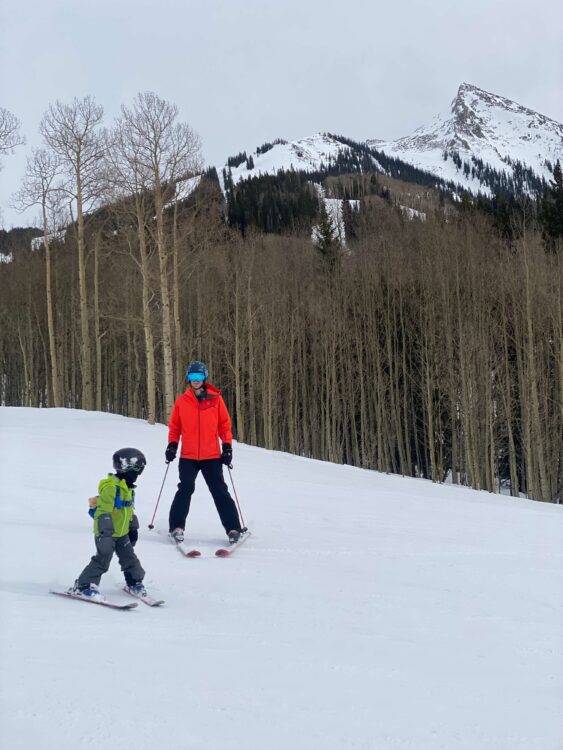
(326, 239)
(349, 219)
(551, 210)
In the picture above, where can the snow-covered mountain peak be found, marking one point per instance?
(485, 127)
(479, 114)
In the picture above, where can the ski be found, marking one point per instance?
(228, 551)
(102, 602)
(148, 600)
(183, 547)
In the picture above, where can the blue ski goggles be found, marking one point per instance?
(196, 377)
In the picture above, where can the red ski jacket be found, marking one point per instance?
(200, 424)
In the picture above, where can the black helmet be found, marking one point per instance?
(129, 459)
(197, 368)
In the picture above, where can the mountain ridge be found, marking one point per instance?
(485, 140)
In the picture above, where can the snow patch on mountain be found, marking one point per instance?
(412, 213)
(58, 236)
(335, 213)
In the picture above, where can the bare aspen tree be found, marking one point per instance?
(168, 151)
(10, 133)
(73, 132)
(129, 181)
(39, 189)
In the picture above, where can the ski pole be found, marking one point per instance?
(151, 524)
(236, 498)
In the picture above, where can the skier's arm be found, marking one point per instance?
(224, 426)
(106, 499)
(174, 425)
(104, 509)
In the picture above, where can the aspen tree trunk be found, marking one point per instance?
(85, 346)
(136, 407)
(26, 399)
(394, 399)
(360, 349)
(240, 413)
(559, 432)
(291, 407)
(178, 348)
(506, 394)
(97, 333)
(467, 397)
(429, 409)
(406, 410)
(168, 367)
(55, 377)
(251, 367)
(527, 467)
(147, 323)
(73, 358)
(535, 422)
(268, 395)
(453, 400)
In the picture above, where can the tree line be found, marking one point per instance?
(430, 349)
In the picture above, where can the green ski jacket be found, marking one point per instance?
(117, 499)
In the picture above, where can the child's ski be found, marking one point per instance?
(145, 599)
(102, 602)
(228, 551)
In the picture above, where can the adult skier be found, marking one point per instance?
(200, 419)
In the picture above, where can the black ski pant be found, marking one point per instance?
(99, 564)
(212, 470)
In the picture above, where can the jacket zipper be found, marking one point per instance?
(198, 429)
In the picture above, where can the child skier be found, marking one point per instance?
(113, 516)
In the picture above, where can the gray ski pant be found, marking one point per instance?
(99, 564)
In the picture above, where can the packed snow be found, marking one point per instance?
(365, 611)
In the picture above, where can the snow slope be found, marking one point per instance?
(312, 154)
(485, 126)
(367, 611)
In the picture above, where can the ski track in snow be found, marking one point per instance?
(366, 610)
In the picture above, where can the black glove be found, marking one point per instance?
(227, 454)
(170, 453)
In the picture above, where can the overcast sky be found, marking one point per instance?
(247, 71)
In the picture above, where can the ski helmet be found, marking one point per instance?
(197, 368)
(129, 459)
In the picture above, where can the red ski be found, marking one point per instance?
(228, 551)
(182, 546)
(185, 550)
